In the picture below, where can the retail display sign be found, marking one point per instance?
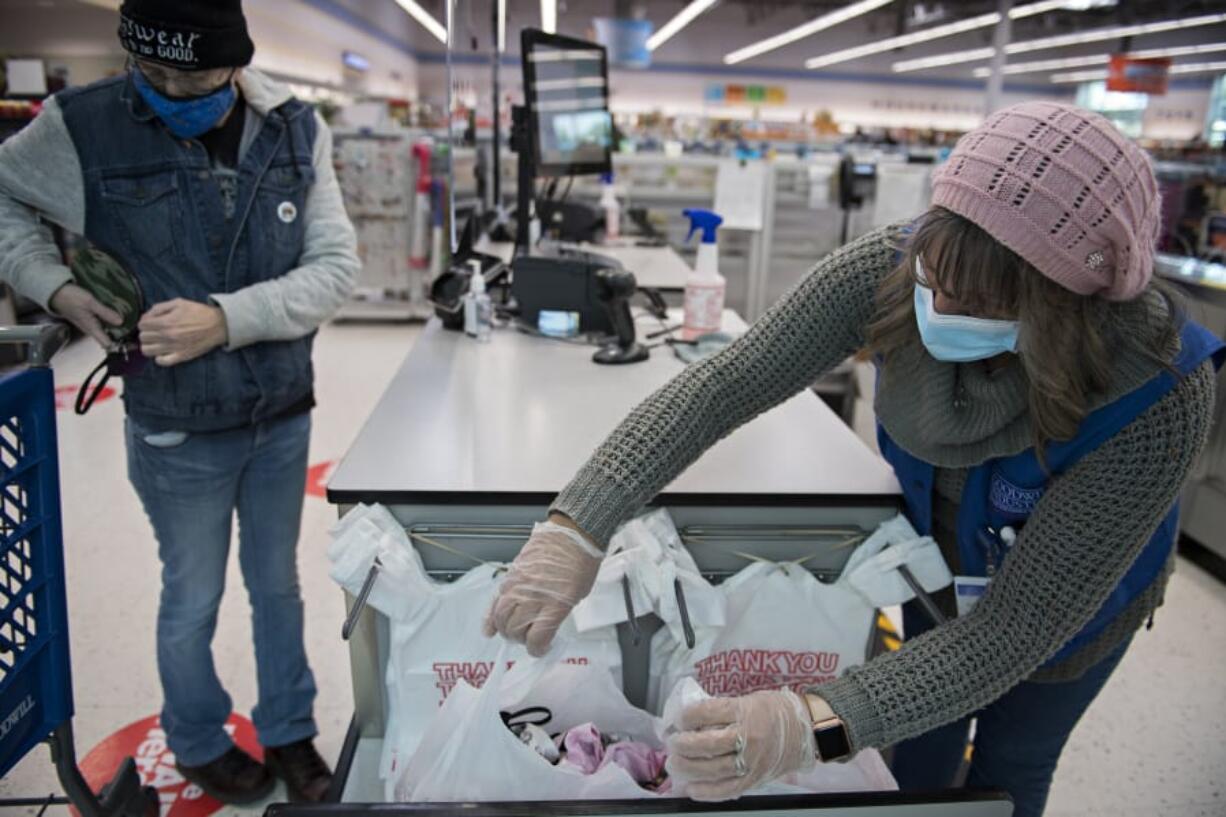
(1138, 76)
(355, 61)
(740, 193)
(625, 40)
(732, 94)
(145, 741)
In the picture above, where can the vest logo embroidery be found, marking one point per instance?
(1012, 499)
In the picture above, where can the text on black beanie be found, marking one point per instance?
(192, 35)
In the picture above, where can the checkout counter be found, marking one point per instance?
(1203, 505)
(471, 442)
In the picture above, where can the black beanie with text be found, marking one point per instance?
(191, 35)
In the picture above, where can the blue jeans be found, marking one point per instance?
(191, 485)
(1018, 738)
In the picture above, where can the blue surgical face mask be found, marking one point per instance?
(959, 338)
(187, 118)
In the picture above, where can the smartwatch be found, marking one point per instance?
(829, 736)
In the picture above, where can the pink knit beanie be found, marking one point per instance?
(1062, 188)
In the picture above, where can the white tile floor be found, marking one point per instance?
(1151, 745)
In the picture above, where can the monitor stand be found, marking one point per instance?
(521, 146)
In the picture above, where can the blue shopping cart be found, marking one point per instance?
(35, 673)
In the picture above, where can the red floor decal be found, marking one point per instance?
(317, 478)
(146, 742)
(66, 396)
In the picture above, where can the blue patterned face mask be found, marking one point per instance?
(959, 338)
(187, 118)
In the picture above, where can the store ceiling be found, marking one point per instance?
(731, 24)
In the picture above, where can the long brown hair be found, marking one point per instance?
(1066, 342)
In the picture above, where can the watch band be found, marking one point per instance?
(830, 738)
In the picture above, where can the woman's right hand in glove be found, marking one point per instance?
(553, 572)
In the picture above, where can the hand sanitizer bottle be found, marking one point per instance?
(478, 308)
(612, 210)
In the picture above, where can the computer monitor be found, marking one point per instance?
(566, 92)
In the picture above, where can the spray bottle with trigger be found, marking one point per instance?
(438, 208)
(419, 241)
(705, 287)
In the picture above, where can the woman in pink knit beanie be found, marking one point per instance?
(1041, 399)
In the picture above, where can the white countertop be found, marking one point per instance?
(513, 420)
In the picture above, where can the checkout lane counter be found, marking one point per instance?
(1203, 505)
(471, 442)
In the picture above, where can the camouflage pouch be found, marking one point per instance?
(105, 278)
(113, 286)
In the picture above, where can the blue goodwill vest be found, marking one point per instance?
(1003, 492)
(153, 203)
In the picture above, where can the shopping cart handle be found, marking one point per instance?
(43, 340)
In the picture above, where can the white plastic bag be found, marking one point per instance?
(873, 568)
(468, 754)
(785, 628)
(365, 533)
(441, 646)
(435, 638)
(647, 551)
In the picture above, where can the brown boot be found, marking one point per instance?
(235, 778)
(306, 774)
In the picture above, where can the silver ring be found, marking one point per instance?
(739, 765)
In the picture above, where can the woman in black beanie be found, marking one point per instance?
(214, 189)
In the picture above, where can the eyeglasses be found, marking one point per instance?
(177, 83)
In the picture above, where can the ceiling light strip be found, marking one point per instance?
(1048, 65)
(822, 23)
(1180, 51)
(1098, 35)
(1103, 59)
(935, 33)
(425, 18)
(943, 59)
(1031, 9)
(683, 19)
(549, 16)
(502, 26)
(1079, 76)
(904, 40)
(1199, 67)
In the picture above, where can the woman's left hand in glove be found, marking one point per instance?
(731, 745)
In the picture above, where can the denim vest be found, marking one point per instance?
(1004, 492)
(151, 201)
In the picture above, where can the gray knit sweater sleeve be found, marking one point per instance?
(816, 326)
(1082, 537)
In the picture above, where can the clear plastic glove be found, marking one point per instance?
(731, 745)
(555, 571)
(85, 311)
